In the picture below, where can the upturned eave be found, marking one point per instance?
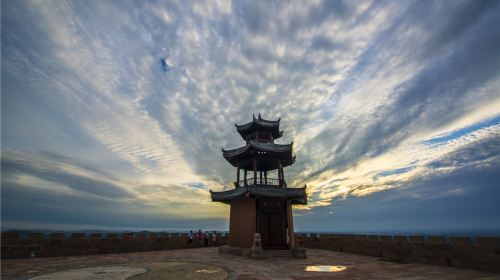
(261, 150)
(295, 195)
(260, 124)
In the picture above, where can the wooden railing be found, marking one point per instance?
(258, 181)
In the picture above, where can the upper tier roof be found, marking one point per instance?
(266, 153)
(260, 124)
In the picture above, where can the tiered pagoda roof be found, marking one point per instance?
(261, 155)
(262, 125)
(295, 195)
(264, 150)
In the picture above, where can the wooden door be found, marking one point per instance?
(271, 224)
(276, 230)
(264, 229)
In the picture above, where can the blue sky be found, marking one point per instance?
(114, 112)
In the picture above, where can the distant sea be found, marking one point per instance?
(489, 233)
(470, 233)
(68, 233)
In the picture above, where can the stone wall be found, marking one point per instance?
(482, 253)
(57, 244)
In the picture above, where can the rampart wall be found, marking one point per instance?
(58, 244)
(482, 253)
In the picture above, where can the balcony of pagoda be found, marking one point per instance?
(271, 182)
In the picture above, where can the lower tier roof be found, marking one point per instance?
(295, 195)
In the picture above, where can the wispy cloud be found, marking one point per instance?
(375, 95)
(71, 184)
(408, 162)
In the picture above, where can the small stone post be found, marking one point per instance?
(256, 251)
(298, 250)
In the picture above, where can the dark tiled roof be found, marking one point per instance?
(234, 152)
(259, 146)
(260, 122)
(296, 195)
(271, 147)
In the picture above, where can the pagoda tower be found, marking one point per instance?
(260, 202)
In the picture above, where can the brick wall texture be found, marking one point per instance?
(36, 245)
(482, 253)
(242, 222)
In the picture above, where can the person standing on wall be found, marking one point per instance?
(207, 237)
(214, 238)
(190, 237)
(199, 236)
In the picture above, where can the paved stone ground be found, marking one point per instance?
(111, 272)
(206, 263)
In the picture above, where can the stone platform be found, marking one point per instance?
(206, 263)
(263, 254)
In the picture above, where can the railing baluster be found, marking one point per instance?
(250, 181)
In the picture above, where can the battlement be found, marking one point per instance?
(482, 253)
(60, 244)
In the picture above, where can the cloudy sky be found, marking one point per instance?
(114, 112)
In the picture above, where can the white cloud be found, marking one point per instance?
(359, 86)
(114, 117)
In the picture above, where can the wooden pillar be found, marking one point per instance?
(291, 233)
(238, 174)
(254, 170)
(280, 174)
(260, 177)
(265, 176)
(245, 176)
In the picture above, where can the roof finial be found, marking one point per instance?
(259, 116)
